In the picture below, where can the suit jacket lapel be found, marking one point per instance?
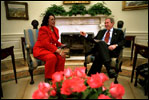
(114, 34)
(102, 35)
(52, 34)
(56, 33)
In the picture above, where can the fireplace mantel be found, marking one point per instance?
(81, 20)
(81, 16)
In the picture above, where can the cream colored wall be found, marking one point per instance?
(135, 20)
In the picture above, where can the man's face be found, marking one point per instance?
(108, 24)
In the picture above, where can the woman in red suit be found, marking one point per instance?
(46, 47)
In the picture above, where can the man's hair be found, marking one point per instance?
(111, 19)
(45, 19)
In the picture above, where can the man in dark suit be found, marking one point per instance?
(108, 44)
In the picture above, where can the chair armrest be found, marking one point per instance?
(28, 48)
(89, 58)
(119, 58)
(117, 61)
(33, 61)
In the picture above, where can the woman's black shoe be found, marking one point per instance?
(47, 80)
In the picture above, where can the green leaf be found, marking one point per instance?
(93, 96)
(85, 93)
(106, 92)
(99, 90)
(63, 96)
(51, 97)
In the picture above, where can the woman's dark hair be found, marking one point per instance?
(45, 19)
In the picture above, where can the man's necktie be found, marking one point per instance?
(107, 36)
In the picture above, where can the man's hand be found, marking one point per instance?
(112, 47)
(82, 33)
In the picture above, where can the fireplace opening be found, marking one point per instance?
(77, 45)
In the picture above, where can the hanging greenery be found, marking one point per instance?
(77, 9)
(99, 8)
(56, 10)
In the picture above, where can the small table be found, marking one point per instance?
(132, 39)
(5, 53)
(143, 51)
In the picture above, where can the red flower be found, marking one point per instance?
(103, 88)
(42, 92)
(53, 93)
(68, 72)
(57, 76)
(80, 72)
(45, 87)
(102, 96)
(40, 95)
(78, 85)
(102, 76)
(73, 85)
(66, 87)
(94, 81)
(117, 90)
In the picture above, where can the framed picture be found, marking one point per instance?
(72, 2)
(133, 5)
(16, 10)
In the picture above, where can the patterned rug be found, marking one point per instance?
(22, 68)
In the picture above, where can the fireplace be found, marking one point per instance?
(77, 45)
(70, 27)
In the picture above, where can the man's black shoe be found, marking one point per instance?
(111, 73)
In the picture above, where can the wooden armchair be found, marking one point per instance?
(30, 39)
(115, 63)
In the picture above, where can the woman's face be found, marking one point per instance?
(51, 21)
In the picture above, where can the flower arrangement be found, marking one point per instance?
(76, 84)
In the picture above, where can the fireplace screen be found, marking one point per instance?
(77, 44)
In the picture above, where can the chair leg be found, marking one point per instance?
(1, 91)
(146, 86)
(136, 79)
(31, 74)
(85, 65)
(120, 70)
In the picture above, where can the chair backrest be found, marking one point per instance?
(120, 24)
(31, 36)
